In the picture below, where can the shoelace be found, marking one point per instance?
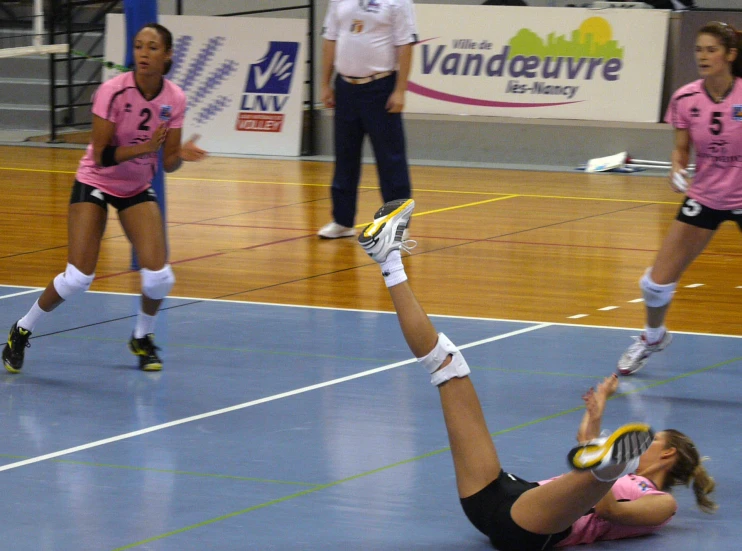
(151, 348)
(23, 341)
(408, 245)
(148, 346)
(639, 348)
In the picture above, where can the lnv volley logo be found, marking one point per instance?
(534, 70)
(267, 89)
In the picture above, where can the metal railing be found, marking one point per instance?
(81, 24)
(65, 25)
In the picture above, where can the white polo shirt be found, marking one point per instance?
(367, 32)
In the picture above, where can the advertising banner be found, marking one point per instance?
(564, 63)
(244, 78)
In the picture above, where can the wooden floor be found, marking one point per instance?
(492, 243)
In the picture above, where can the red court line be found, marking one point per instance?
(488, 240)
(179, 224)
(496, 240)
(212, 255)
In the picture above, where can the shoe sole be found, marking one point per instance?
(151, 367)
(148, 367)
(341, 236)
(373, 229)
(641, 431)
(10, 369)
(628, 372)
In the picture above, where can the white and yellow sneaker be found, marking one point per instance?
(387, 232)
(625, 444)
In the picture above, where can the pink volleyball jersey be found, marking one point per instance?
(716, 135)
(119, 100)
(591, 527)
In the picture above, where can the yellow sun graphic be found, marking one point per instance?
(598, 27)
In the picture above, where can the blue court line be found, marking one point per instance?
(244, 405)
(170, 471)
(413, 459)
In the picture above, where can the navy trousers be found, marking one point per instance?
(360, 109)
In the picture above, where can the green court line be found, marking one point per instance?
(170, 471)
(228, 349)
(531, 372)
(411, 460)
(326, 356)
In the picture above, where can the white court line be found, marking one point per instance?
(259, 401)
(607, 308)
(442, 316)
(694, 285)
(21, 293)
(637, 300)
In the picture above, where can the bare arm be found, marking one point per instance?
(102, 137)
(395, 104)
(649, 510)
(681, 151)
(679, 181)
(595, 400)
(327, 94)
(175, 154)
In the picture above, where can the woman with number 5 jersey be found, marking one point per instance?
(134, 116)
(706, 115)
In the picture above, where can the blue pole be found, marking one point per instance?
(137, 14)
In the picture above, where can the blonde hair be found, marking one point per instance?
(688, 468)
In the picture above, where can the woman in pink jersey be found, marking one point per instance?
(135, 115)
(583, 505)
(707, 116)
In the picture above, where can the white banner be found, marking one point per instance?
(558, 63)
(244, 78)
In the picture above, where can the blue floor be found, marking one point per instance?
(273, 427)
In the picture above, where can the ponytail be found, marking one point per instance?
(688, 468)
(703, 485)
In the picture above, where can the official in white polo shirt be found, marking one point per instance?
(368, 44)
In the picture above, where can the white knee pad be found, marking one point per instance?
(156, 285)
(656, 295)
(444, 348)
(72, 282)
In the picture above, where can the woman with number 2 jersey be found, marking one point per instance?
(134, 116)
(706, 115)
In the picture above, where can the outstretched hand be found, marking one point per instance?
(595, 400)
(190, 152)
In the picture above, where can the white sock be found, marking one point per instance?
(33, 316)
(393, 270)
(654, 335)
(145, 325)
